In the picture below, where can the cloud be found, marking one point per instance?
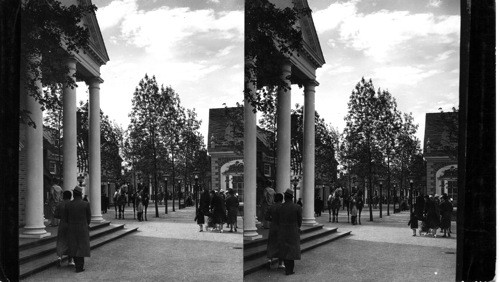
(402, 75)
(380, 33)
(434, 3)
(331, 42)
(331, 17)
(445, 55)
(115, 12)
(158, 31)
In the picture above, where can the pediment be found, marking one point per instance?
(310, 36)
(96, 43)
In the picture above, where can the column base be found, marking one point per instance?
(251, 235)
(34, 233)
(96, 219)
(309, 221)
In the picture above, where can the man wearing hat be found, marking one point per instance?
(289, 220)
(78, 219)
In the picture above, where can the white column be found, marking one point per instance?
(308, 159)
(284, 127)
(35, 227)
(94, 187)
(69, 132)
(250, 166)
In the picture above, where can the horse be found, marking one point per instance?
(334, 203)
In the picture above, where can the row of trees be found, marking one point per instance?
(379, 141)
(111, 137)
(163, 137)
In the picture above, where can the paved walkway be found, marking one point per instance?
(168, 248)
(382, 250)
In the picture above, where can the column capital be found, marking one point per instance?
(94, 81)
(311, 83)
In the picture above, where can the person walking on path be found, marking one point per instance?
(446, 209)
(62, 230)
(354, 210)
(318, 206)
(273, 237)
(267, 201)
(55, 197)
(140, 206)
(115, 201)
(78, 219)
(289, 221)
(217, 207)
(205, 205)
(232, 210)
(145, 203)
(419, 206)
(199, 218)
(122, 201)
(413, 223)
(432, 215)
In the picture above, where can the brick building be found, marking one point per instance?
(225, 131)
(440, 142)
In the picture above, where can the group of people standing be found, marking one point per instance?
(216, 209)
(433, 212)
(285, 220)
(73, 237)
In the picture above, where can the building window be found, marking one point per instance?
(267, 170)
(52, 167)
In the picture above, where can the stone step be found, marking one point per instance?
(47, 260)
(260, 262)
(49, 247)
(263, 241)
(261, 250)
(26, 243)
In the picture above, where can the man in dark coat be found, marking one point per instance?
(78, 219)
(289, 221)
(62, 230)
(273, 239)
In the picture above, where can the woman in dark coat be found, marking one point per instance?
(446, 209)
(432, 216)
(205, 205)
(217, 210)
(289, 221)
(273, 239)
(232, 210)
(62, 230)
(78, 219)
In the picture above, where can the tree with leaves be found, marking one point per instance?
(50, 33)
(153, 124)
(271, 35)
(361, 135)
(389, 126)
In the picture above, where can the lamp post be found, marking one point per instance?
(166, 193)
(295, 182)
(196, 188)
(353, 184)
(394, 198)
(394, 195)
(179, 192)
(380, 197)
(411, 197)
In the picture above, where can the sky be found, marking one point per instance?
(410, 48)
